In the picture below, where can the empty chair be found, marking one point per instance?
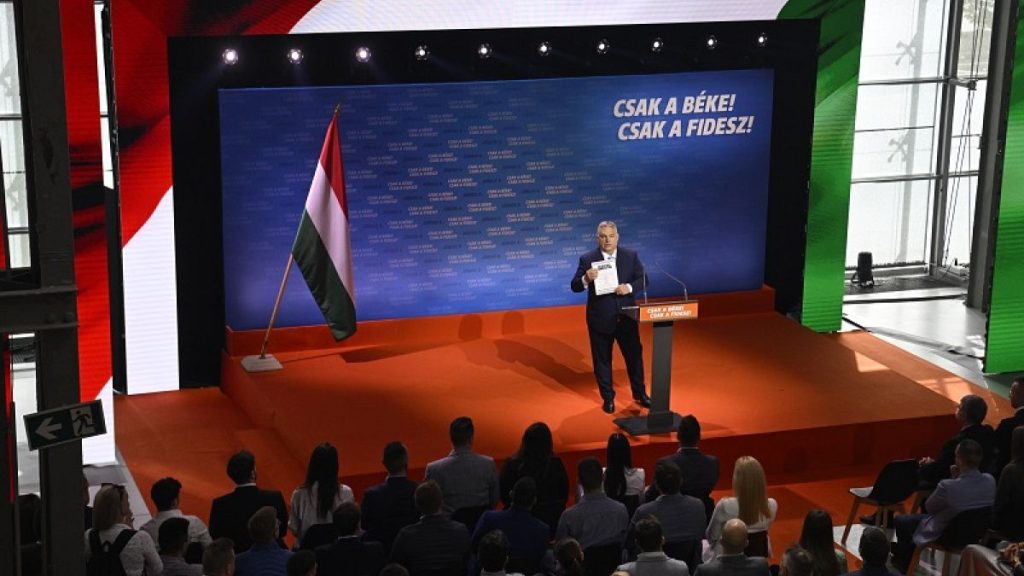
(967, 527)
(895, 483)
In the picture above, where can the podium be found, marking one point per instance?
(663, 315)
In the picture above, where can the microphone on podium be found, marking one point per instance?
(686, 291)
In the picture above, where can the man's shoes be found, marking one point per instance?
(609, 406)
(643, 399)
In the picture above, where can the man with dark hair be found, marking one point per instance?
(874, 552)
(493, 553)
(468, 480)
(596, 519)
(699, 471)
(173, 538)
(435, 544)
(230, 513)
(682, 518)
(303, 563)
(389, 507)
(733, 561)
(527, 536)
(652, 560)
(166, 495)
(265, 557)
(968, 489)
(219, 558)
(971, 412)
(796, 562)
(1004, 431)
(350, 554)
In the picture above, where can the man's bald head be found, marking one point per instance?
(734, 537)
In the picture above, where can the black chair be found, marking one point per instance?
(894, 484)
(966, 528)
(469, 516)
(688, 551)
(757, 544)
(318, 535)
(602, 560)
(632, 502)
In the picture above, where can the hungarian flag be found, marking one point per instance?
(322, 249)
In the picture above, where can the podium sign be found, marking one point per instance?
(664, 316)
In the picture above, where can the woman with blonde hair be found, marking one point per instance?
(749, 502)
(112, 530)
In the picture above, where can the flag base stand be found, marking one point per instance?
(264, 363)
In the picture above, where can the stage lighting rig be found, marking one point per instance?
(711, 42)
(603, 46)
(421, 52)
(657, 44)
(230, 56)
(544, 49)
(363, 54)
(484, 51)
(762, 40)
(295, 56)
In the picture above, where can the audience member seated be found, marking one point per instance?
(651, 561)
(230, 513)
(166, 495)
(265, 557)
(536, 459)
(527, 536)
(389, 507)
(968, 489)
(569, 558)
(796, 562)
(1004, 431)
(731, 561)
(111, 538)
(493, 553)
(85, 499)
(320, 494)
(623, 481)
(874, 553)
(977, 560)
(173, 539)
(681, 517)
(971, 413)
(303, 563)
(596, 519)
(30, 521)
(469, 481)
(749, 502)
(817, 540)
(350, 555)
(436, 544)
(1008, 512)
(394, 569)
(700, 471)
(219, 558)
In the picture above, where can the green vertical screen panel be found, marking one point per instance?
(842, 23)
(1005, 349)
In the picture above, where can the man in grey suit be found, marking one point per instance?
(732, 561)
(681, 517)
(467, 479)
(596, 519)
(652, 561)
(967, 489)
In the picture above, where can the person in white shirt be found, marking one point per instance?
(112, 515)
(166, 495)
(320, 494)
(750, 503)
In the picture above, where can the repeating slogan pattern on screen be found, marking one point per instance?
(673, 128)
(480, 196)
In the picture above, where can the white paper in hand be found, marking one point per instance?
(607, 277)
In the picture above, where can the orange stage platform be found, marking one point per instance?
(812, 408)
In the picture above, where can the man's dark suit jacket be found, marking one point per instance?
(734, 565)
(230, 513)
(938, 469)
(387, 508)
(700, 475)
(1004, 433)
(603, 311)
(436, 545)
(350, 556)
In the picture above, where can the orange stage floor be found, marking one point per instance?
(819, 411)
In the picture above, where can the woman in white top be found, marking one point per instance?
(750, 503)
(621, 479)
(320, 494)
(111, 515)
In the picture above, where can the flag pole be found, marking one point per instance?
(277, 305)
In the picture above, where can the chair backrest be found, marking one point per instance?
(896, 482)
(469, 516)
(318, 535)
(602, 560)
(967, 527)
(757, 544)
(688, 551)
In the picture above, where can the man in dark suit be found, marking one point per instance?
(527, 536)
(230, 513)
(700, 471)
(732, 561)
(389, 507)
(874, 553)
(1004, 432)
(435, 544)
(971, 412)
(604, 322)
(349, 555)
